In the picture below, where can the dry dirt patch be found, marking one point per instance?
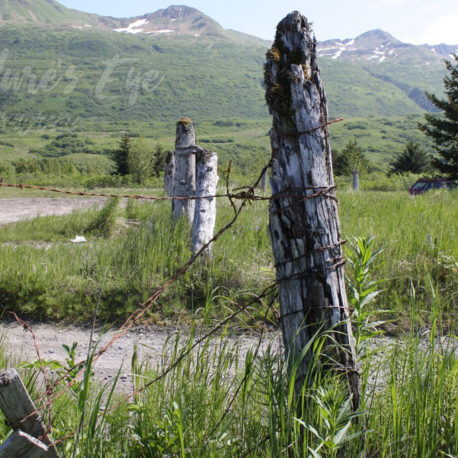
(17, 209)
(150, 341)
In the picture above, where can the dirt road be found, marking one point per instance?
(17, 209)
(19, 345)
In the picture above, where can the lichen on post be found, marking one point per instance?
(304, 225)
(184, 180)
(205, 212)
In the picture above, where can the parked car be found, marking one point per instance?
(427, 184)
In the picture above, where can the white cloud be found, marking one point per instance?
(443, 30)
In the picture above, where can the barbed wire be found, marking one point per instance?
(243, 195)
(246, 195)
(148, 304)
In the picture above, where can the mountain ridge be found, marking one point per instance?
(377, 46)
(185, 20)
(373, 73)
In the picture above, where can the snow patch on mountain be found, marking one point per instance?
(134, 27)
(160, 31)
(337, 54)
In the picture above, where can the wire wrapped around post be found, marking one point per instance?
(304, 224)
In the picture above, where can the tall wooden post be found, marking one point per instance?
(304, 225)
(205, 213)
(185, 170)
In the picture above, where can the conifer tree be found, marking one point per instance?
(443, 128)
(413, 159)
(121, 155)
(351, 158)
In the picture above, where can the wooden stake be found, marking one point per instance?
(205, 212)
(19, 409)
(21, 444)
(185, 170)
(304, 225)
(355, 180)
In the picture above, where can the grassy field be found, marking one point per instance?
(217, 401)
(45, 275)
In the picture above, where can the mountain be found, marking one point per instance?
(62, 69)
(410, 68)
(377, 46)
(46, 12)
(174, 20)
(178, 61)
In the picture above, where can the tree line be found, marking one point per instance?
(442, 128)
(135, 162)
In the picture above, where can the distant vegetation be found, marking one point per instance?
(443, 129)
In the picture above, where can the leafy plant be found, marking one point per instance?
(336, 418)
(363, 290)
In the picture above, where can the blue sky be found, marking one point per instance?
(412, 21)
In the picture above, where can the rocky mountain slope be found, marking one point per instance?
(377, 46)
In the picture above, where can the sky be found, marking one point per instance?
(411, 21)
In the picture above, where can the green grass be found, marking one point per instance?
(221, 400)
(217, 400)
(44, 274)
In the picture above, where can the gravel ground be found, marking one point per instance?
(150, 341)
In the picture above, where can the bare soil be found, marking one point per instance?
(17, 209)
(150, 341)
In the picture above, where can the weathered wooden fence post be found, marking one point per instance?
(185, 171)
(169, 173)
(355, 180)
(30, 438)
(304, 224)
(205, 212)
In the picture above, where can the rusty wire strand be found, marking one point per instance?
(314, 129)
(246, 195)
(147, 305)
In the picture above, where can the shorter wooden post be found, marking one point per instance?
(21, 444)
(355, 180)
(205, 212)
(19, 409)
